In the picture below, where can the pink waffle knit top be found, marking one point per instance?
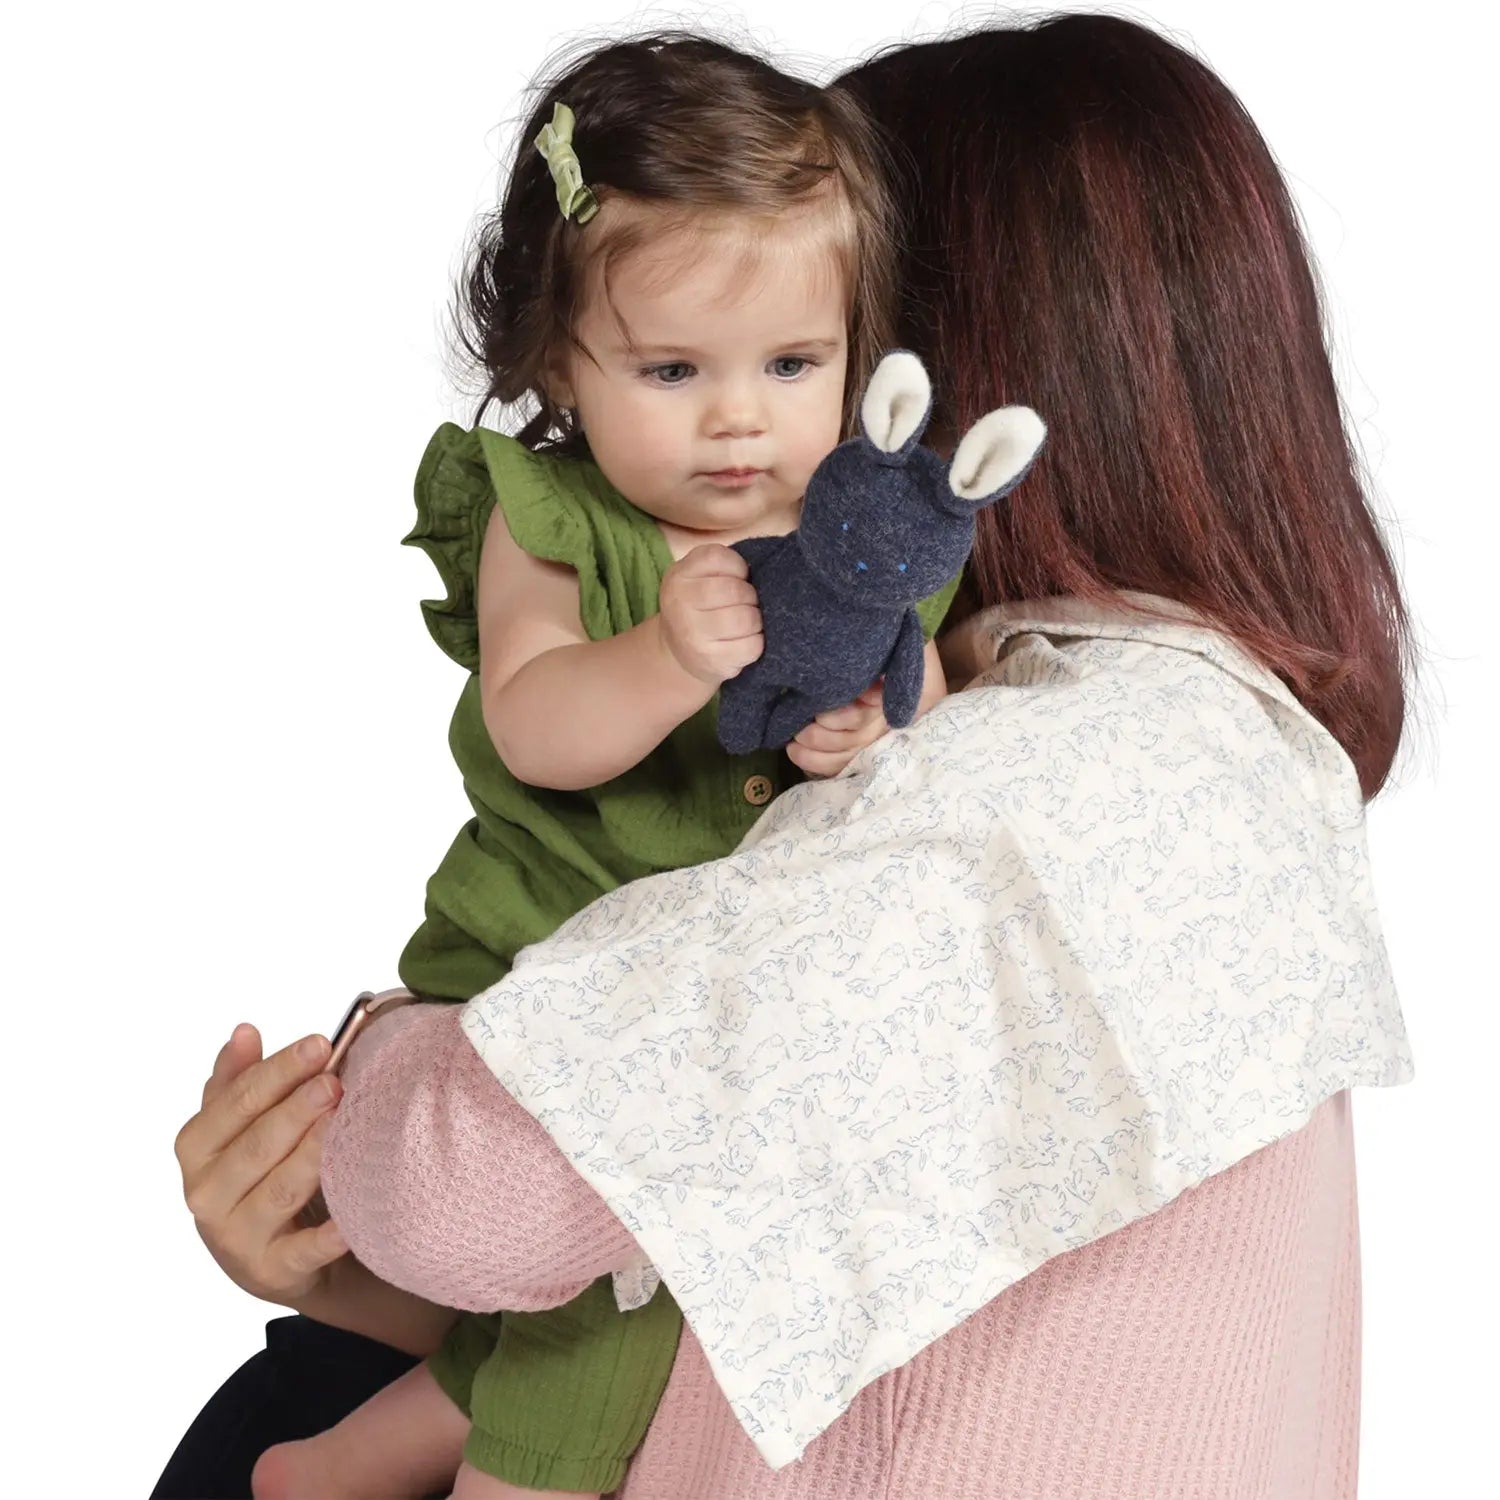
(1207, 1352)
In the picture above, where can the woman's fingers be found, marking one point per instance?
(293, 1254)
(297, 1256)
(283, 1192)
(245, 1097)
(238, 1053)
(250, 1158)
(261, 1147)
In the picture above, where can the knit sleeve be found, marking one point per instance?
(444, 1186)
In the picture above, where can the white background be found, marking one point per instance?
(231, 235)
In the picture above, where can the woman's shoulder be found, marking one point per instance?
(1164, 687)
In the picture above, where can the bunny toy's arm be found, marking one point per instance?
(905, 671)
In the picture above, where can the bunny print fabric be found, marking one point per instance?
(1093, 930)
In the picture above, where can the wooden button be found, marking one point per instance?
(758, 791)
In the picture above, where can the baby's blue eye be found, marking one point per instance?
(900, 567)
(846, 526)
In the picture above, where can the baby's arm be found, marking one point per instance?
(568, 712)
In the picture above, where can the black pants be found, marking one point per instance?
(306, 1378)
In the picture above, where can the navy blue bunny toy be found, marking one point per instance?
(884, 524)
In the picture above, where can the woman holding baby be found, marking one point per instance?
(1091, 225)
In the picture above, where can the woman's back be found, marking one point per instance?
(1207, 1352)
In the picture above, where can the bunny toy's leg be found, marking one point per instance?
(905, 673)
(744, 706)
(790, 715)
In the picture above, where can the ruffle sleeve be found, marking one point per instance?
(461, 477)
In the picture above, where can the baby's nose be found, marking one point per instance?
(736, 412)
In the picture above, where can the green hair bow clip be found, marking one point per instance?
(556, 145)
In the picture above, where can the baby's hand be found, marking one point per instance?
(710, 614)
(833, 739)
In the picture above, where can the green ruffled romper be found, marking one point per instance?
(560, 1399)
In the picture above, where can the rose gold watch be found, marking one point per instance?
(365, 1007)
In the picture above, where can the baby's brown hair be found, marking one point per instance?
(688, 128)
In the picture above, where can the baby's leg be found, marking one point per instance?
(475, 1484)
(405, 1442)
(567, 1395)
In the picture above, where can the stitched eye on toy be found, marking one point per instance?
(862, 568)
(900, 567)
(846, 526)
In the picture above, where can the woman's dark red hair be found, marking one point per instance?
(1095, 227)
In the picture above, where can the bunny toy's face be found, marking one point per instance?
(871, 530)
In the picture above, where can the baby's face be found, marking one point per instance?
(716, 383)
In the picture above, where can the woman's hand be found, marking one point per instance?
(250, 1159)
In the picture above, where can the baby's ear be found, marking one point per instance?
(557, 379)
(995, 453)
(897, 403)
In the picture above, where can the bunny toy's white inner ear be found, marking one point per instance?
(895, 400)
(994, 450)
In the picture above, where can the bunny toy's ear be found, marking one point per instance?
(897, 403)
(995, 453)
